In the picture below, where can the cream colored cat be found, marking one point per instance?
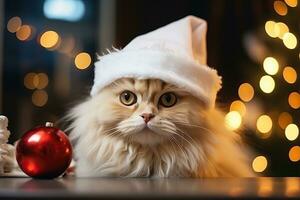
(148, 128)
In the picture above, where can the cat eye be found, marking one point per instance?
(168, 99)
(128, 98)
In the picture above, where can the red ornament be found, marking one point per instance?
(44, 152)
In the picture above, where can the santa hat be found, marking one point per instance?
(175, 53)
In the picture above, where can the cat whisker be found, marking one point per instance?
(180, 147)
(185, 134)
(193, 125)
(174, 132)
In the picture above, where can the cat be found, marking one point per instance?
(149, 128)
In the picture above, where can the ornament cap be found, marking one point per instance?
(49, 124)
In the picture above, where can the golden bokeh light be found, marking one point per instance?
(291, 3)
(238, 106)
(294, 100)
(31, 81)
(292, 187)
(246, 92)
(294, 154)
(42, 81)
(289, 40)
(271, 29)
(260, 164)
(267, 84)
(39, 98)
(284, 119)
(291, 132)
(265, 186)
(83, 60)
(49, 39)
(14, 24)
(280, 7)
(233, 120)
(24, 33)
(289, 75)
(282, 28)
(264, 124)
(270, 65)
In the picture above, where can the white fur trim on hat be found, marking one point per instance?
(174, 54)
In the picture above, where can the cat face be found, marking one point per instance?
(148, 111)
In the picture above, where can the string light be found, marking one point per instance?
(284, 119)
(280, 7)
(294, 154)
(264, 124)
(233, 120)
(289, 75)
(49, 39)
(291, 132)
(83, 60)
(24, 33)
(294, 100)
(260, 164)
(246, 92)
(289, 40)
(267, 84)
(238, 106)
(271, 65)
(291, 3)
(14, 24)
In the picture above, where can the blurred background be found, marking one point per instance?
(47, 50)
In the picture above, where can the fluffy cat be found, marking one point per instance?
(149, 128)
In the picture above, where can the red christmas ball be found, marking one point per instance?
(44, 152)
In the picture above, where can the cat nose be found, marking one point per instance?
(147, 117)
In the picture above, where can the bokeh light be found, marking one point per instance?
(289, 75)
(292, 187)
(280, 7)
(31, 81)
(49, 39)
(260, 164)
(265, 186)
(267, 84)
(294, 154)
(39, 98)
(294, 100)
(291, 132)
(291, 3)
(271, 65)
(83, 60)
(282, 28)
(264, 124)
(246, 92)
(233, 120)
(14, 24)
(284, 119)
(238, 106)
(24, 33)
(42, 81)
(271, 29)
(289, 40)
